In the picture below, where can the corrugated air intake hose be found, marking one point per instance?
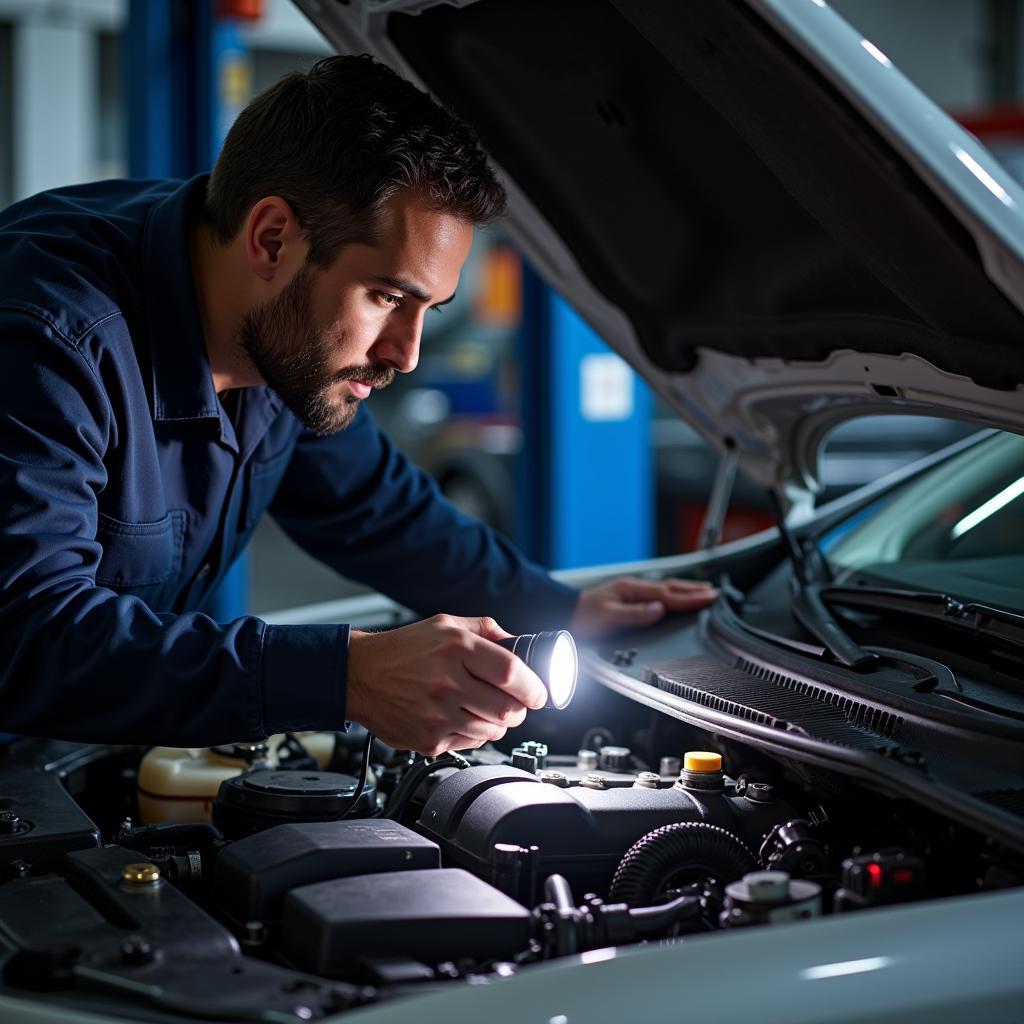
(691, 847)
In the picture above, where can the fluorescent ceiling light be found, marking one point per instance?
(990, 508)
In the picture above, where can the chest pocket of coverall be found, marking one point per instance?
(264, 477)
(142, 559)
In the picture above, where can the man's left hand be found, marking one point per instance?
(630, 603)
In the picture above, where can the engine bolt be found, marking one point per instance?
(616, 759)
(10, 823)
(586, 760)
(136, 951)
(593, 780)
(553, 778)
(670, 766)
(19, 869)
(140, 874)
(647, 780)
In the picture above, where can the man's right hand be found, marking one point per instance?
(441, 684)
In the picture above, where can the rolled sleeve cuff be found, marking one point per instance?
(303, 677)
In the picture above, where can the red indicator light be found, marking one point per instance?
(875, 874)
(903, 876)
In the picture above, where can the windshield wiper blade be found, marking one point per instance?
(811, 612)
(810, 576)
(997, 623)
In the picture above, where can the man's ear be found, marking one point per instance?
(273, 239)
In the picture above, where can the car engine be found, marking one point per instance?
(261, 879)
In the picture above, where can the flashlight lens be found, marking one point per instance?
(561, 677)
(553, 657)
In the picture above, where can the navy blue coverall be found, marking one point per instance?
(127, 490)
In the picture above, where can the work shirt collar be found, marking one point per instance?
(182, 379)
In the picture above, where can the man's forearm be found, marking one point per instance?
(88, 665)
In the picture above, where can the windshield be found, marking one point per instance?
(957, 529)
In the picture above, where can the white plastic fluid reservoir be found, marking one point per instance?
(181, 783)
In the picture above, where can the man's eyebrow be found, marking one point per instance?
(404, 285)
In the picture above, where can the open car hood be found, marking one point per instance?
(744, 198)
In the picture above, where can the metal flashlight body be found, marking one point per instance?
(552, 656)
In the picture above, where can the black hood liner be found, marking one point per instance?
(712, 185)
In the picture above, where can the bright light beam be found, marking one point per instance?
(990, 508)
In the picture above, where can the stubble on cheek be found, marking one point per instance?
(292, 355)
(296, 358)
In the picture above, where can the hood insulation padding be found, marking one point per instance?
(712, 185)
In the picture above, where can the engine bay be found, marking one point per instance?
(251, 879)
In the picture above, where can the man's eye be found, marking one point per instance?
(388, 299)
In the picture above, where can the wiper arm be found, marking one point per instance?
(733, 599)
(997, 623)
(810, 576)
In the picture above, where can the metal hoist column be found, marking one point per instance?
(586, 475)
(186, 78)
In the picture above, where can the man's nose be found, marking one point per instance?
(400, 344)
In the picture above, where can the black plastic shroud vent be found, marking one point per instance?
(860, 715)
(1009, 800)
(768, 697)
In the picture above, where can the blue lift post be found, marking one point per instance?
(586, 473)
(183, 71)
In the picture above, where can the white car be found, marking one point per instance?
(804, 805)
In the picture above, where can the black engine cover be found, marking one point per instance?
(582, 833)
(254, 874)
(431, 916)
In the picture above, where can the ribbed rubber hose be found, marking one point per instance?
(693, 846)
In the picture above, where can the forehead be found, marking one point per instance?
(414, 243)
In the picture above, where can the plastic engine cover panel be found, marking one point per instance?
(431, 916)
(581, 833)
(254, 874)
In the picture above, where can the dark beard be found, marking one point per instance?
(292, 355)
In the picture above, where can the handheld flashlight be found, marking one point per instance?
(552, 656)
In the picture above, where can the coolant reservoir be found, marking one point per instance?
(181, 783)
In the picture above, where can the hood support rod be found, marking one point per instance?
(718, 501)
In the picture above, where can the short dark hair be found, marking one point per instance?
(337, 143)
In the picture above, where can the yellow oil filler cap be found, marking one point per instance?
(702, 761)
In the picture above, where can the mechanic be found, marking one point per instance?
(179, 357)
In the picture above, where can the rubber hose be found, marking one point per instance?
(687, 845)
(558, 892)
(406, 789)
(566, 919)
